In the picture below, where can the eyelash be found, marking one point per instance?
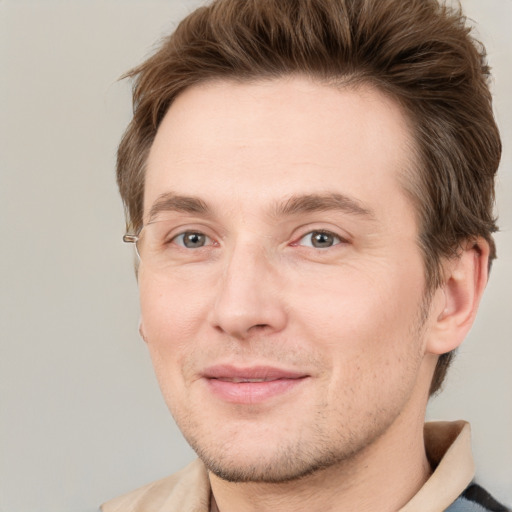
(209, 241)
(337, 239)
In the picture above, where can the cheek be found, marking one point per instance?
(171, 316)
(367, 323)
(170, 325)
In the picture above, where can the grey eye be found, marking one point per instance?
(192, 240)
(320, 239)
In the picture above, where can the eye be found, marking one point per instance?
(192, 240)
(320, 239)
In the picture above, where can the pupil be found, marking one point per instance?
(322, 240)
(194, 240)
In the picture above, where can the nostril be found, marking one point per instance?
(259, 327)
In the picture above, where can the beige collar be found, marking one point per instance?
(448, 446)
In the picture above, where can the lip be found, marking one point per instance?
(251, 385)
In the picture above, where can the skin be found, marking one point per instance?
(349, 317)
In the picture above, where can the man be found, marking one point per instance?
(309, 185)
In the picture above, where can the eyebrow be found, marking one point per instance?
(298, 204)
(170, 201)
(295, 205)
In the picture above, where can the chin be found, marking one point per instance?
(260, 459)
(282, 468)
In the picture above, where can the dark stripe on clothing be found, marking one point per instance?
(479, 495)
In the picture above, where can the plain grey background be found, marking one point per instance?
(82, 419)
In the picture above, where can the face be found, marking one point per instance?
(282, 292)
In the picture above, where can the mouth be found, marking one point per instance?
(242, 379)
(251, 385)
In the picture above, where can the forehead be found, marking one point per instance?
(279, 137)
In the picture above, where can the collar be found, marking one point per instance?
(448, 447)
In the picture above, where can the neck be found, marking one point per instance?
(383, 477)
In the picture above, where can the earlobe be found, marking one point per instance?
(141, 331)
(456, 301)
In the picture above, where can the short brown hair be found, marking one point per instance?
(420, 52)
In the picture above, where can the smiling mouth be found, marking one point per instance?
(248, 374)
(240, 380)
(251, 385)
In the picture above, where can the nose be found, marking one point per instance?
(249, 297)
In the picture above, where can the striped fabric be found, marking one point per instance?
(476, 499)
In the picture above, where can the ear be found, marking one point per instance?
(456, 302)
(141, 331)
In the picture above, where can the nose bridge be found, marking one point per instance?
(248, 297)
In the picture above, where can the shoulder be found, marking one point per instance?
(185, 491)
(476, 499)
